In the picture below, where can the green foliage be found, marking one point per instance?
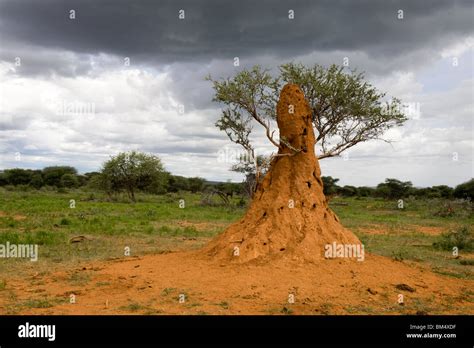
(365, 191)
(18, 176)
(348, 191)
(346, 110)
(440, 191)
(132, 171)
(465, 190)
(329, 185)
(393, 189)
(37, 181)
(52, 175)
(196, 184)
(248, 167)
(462, 238)
(178, 183)
(69, 181)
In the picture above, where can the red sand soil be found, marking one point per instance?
(333, 286)
(281, 258)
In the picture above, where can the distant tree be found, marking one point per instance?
(3, 178)
(393, 189)
(37, 180)
(130, 172)
(229, 188)
(348, 191)
(18, 176)
(69, 181)
(178, 183)
(329, 185)
(248, 167)
(52, 175)
(465, 190)
(442, 191)
(196, 184)
(365, 191)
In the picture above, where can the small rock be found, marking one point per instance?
(405, 287)
(372, 292)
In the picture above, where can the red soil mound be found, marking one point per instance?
(289, 215)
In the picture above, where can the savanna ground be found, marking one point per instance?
(82, 252)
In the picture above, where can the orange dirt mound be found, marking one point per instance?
(289, 215)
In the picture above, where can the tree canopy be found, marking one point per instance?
(132, 171)
(346, 109)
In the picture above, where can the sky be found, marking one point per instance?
(81, 81)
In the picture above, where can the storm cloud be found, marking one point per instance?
(137, 62)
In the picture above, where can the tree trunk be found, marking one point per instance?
(289, 215)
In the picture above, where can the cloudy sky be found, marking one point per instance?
(83, 80)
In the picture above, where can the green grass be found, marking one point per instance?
(133, 307)
(152, 225)
(157, 224)
(401, 239)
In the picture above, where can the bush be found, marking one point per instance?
(348, 191)
(462, 238)
(52, 175)
(393, 189)
(465, 190)
(37, 181)
(457, 208)
(69, 180)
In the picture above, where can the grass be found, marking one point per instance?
(401, 238)
(42, 303)
(157, 224)
(133, 307)
(224, 304)
(79, 278)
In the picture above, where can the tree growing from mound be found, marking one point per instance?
(289, 215)
(344, 109)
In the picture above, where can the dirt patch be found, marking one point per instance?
(19, 217)
(409, 229)
(200, 226)
(432, 231)
(16, 217)
(375, 230)
(182, 283)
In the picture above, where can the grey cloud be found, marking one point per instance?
(150, 32)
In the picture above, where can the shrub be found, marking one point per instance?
(465, 190)
(462, 238)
